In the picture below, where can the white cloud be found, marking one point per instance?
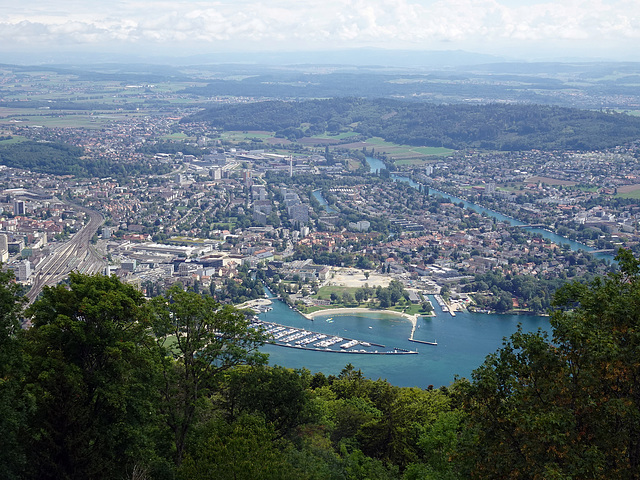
(293, 25)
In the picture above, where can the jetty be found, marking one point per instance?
(293, 337)
(423, 342)
(413, 330)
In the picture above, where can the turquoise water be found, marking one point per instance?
(321, 200)
(463, 343)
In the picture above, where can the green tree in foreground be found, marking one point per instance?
(12, 406)
(568, 407)
(199, 338)
(92, 380)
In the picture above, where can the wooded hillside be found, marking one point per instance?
(493, 126)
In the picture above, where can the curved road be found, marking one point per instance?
(74, 255)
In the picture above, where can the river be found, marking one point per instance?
(376, 165)
(317, 194)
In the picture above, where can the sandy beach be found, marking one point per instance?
(346, 311)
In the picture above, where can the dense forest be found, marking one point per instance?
(496, 126)
(64, 159)
(105, 384)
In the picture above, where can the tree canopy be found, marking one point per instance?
(106, 384)
(569, 406)
(495, 126)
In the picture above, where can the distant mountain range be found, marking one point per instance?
(358, 57)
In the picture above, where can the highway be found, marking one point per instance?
(72, 256)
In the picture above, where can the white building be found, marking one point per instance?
(4, 248)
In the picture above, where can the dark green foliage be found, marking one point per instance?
(244, 449)
(199, 338)
(277, 394)
(383, 421)
(534, 292)
(493, 126)
(569, 407)
(90, 392)
(63, 159)
(92, 379)
(171, 148)
(13, 406)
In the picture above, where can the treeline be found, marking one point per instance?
(64, 159)
(494, 126)
(107, 385)
(496, 291)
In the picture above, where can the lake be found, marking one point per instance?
(463, 343)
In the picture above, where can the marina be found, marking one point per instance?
(463, 342)
(443, 305)
(300, 338)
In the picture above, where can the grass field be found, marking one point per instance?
(588, 189)
(326, 291)
(400, 154)
(549, 181)
(340, 136)
(635, 194)
(13, 140)
(10, 116)
(175, 136)
(235, 136)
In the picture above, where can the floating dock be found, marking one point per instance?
(423, 341)
(293, 337)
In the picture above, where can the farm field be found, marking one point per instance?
(629, 191)
(400, 154)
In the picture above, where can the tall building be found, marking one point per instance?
(4, 248)
(22, 270)
(258, 192)
(18, 207)
(298, 214)
(216, 173)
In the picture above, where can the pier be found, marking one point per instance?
(423, 342)
(411, 339)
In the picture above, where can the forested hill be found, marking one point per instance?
(64, 159)
(492, 126)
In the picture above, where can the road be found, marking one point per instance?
(73, 256)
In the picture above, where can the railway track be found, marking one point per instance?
(74, 255)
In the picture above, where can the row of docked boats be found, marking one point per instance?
(293, 337)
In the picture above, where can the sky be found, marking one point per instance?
(518, 29)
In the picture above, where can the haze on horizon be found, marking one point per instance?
(516, 29)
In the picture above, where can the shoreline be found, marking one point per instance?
(341, 311)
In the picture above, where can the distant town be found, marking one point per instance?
(226, 213)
